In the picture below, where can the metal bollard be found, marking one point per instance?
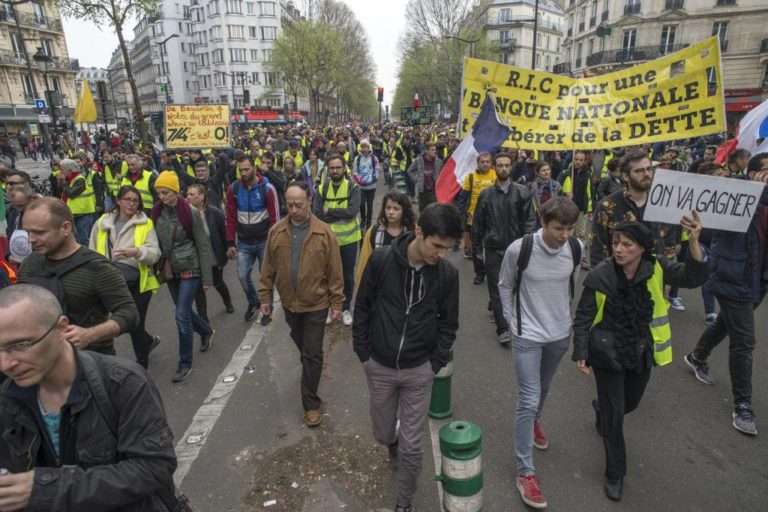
(440, 403)
(461, 472)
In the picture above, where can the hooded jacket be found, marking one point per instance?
(149, 253)
(411, 316)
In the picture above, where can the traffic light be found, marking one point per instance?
(380, 96)
(246, 97)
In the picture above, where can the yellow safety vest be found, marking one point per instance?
(191, 171)
(346, 231)
(568, 189)
(147, 280)
(85, 203)
(112, 182)
(660, 328)
(394, 163)
(298, 159)
(142, 185)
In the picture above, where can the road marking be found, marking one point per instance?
(434, 434)
(191, 443)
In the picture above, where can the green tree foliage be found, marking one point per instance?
(114, 14)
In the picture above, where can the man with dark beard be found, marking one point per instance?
(628, 206)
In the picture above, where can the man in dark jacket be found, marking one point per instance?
(404, 328)
(739, 282)
(504, 213)
(81, 431)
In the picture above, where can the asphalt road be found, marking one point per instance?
(683, 454)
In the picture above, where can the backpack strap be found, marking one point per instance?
(576, 254)
(526, 249)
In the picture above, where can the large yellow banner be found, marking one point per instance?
(196, 126)
(676, 96)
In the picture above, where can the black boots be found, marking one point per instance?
(614, 488)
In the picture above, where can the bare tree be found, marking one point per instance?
(115, 13)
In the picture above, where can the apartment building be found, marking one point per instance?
(602, 35)
(98, 82)
(120, 88)
(509, 28)
(34, 60)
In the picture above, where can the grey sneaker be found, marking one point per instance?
(505, 338)
(700, 369)
(744, 419)
(676, 303)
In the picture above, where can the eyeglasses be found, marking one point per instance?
(23, 346)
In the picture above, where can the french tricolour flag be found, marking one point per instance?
(753, 134)
(488, 133)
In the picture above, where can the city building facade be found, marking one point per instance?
(603, 35)
(34, 64)
(120, 88)
(509, 28)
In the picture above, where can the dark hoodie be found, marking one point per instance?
(604, 278)
(411, 316)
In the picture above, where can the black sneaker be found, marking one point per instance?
(250, 312)
(401, 508)
(266, 319)
(744, 419)
(229, 308)
(155, 343)
(181, 374)
(700, 369)
(206, 342)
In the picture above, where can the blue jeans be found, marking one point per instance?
(83, 226)
(188, 323)
(247, 256)
(535, 365)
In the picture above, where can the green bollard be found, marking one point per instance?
(461, 470)
(440, 403)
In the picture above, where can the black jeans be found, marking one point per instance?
(366, 207)
(737, 321)
(201, 301)
(492, 267)
(618, 393)
(140, 339)
(348, 262)
(307, 332)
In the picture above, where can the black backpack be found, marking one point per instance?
(526, 248)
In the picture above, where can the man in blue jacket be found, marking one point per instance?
(739, 281)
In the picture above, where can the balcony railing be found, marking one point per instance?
(670, 5)
(12, 58)
(625, 55)
(563, 68)
(631, 9)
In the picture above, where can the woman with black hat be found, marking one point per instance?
(622, 330)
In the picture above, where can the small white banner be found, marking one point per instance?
(723, 203)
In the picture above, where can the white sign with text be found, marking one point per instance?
(723, 203)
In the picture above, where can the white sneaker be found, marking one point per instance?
(676, 303)
(346, 317)
(329, 318)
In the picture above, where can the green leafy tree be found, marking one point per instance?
(115, 14)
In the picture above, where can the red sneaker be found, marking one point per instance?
(540, 440)
(530, 493)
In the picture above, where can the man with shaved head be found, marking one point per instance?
(81, 431)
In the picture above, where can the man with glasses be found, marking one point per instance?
(628, 205)
(81, 431)
(90, 289)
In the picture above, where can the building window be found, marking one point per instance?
(630, 39)
(579, 52)
(667, 38)
(238, 55)
(40, 18)
(548, 63)
(590, 47)
(27, 83)
(250, 8)
(236, 31)
(720, 29)
(504, 36)
(267, 8)
(218, 56)
(213, 8)
(765, 77)
(583, 19)
(16, 44)
(593, 9)
(254, 55)
(253, 32)
(234, 6)
(266, 55)
(268, 33)
(56, 84)
(215, 32)
(504, 15)
(219, 80)
(158, 29)
(270, 79)
(47, 46)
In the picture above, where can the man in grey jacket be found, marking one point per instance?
(423, 172)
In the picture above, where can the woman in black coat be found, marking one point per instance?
(197, 195)
(622, 330)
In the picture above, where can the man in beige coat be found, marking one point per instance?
(303, 261)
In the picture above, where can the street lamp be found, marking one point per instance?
(161, 44)
(470, 42)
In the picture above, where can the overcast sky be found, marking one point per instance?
(384, 22)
